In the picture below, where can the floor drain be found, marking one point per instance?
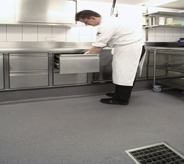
(160, 153)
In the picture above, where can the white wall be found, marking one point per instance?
(128, 13)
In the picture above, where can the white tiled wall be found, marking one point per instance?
(14, 33)
(3, 33)
(128, 13)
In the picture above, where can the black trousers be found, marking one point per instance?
(123, 93)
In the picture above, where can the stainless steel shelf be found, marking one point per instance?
(175, 69)
(146, 27)
(176, 83)
(164, 13)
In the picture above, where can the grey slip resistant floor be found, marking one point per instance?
(81, 130)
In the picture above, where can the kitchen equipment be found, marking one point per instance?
(181, 42)
(161, 21)
(169, 20)
(113, 13)
(152, 20)
(28, 70)
(45, 11)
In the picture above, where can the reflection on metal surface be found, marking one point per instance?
(45, 11)
(45, 44)
(79, 63)
(52, 47)
(28, 70)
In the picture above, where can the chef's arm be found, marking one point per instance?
(95, 50)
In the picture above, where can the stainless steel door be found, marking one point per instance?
(69, 79)
(79, 63)
(28, 61)
(1, 72)
(28, 79)
(28, 70)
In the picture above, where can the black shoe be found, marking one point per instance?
(114, 102)
(110, 94)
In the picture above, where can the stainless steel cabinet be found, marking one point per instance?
(1, 72)
(28, 70)
(73, 69)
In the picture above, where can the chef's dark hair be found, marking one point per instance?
(86, 14)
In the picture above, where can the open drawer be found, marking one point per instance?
(78, 63)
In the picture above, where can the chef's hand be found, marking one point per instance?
(86, 52)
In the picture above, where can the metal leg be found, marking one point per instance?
(148, 59)
(156, 88)
(154, 66)
(6, 71)
(50, 68)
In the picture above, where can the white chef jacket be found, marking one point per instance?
(127, 48)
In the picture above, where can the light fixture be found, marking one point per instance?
(158, 2)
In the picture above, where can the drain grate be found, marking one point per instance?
(160, 153)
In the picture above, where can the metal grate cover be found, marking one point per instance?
(160, 153)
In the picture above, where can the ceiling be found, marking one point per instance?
(174, 5)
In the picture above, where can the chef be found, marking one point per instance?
(126, 46)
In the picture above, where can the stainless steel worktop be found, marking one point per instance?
(48, 50)
(53, 47)
(49, 47)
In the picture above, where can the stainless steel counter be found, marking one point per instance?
(50, 47)
(31, 64)
(48, 50)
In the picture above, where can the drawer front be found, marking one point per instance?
(22, 62)
(1, 72)
(77, 63)
(28, 80)
(70, 79)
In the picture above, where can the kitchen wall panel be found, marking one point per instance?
(72, 35)
(2, 33)
(59, 33)
(87, 38)
(30, 33)
(160, 39)
(72, 38)
(44, 32)
(85, 34)
(160, 32)
(14, 33)
(169, 32)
